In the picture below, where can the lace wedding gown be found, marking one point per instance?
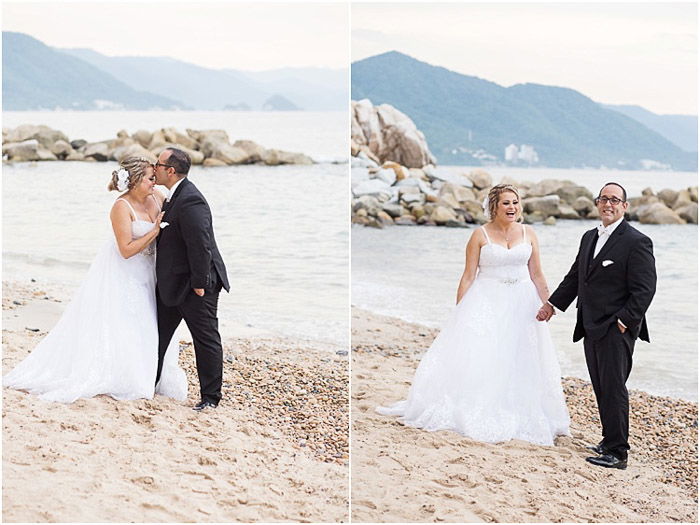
(492, 373)
(106, 341)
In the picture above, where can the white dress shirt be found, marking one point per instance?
(173, 188)
(604, 234)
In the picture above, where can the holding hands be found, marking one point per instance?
(545, 313)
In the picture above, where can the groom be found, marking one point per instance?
(190, 274)
(614, 278)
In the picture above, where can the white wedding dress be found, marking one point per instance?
(491, 374)
(106, 341)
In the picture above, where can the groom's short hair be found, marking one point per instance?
(624, 192)
(179, 160)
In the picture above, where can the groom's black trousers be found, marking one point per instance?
(609, 362)
(200, 314)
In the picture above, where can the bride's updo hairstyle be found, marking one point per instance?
(495, 195)
(135, 167)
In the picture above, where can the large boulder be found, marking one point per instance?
(367, 203)
(480, 179)
(459, 193)
(226, 153)
(134, 150)
(374, 187)
(569, 193)
(27, 150)
(97, 150)
(668, 196)
(683, 199)
(62, 149)
(547, 187)
(658, 213)
(143, 137)
(215, 135)
(689, 212)
(442, 215)
(44, 135)
(389, 134)
(254, 150)
(548, 205)
(275, 157)
(583, 205)
(177, 137)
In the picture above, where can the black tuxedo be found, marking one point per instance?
(188, 258)
(619, 283)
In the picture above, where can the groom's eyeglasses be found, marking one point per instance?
(614, 200)
(164, 165)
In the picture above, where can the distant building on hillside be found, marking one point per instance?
(525, 154)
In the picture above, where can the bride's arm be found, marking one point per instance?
(472, 263)
(121, 224)
(535, 267)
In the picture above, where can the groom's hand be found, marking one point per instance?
(199, 291)
(545, 312)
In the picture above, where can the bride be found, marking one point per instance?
(491, 374)
(106, 341)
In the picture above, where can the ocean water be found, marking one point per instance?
(282, 231)
(413, 272)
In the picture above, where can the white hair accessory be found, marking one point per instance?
(122, 179)
(485, 207)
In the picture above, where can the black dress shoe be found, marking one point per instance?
(608, 461)
(598, 449)
(203, 405)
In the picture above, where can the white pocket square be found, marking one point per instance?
(607, 262)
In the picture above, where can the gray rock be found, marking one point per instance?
(374, 187)
(368, 203)
(394, 210)
(658, 213)
(405, 220)
(441, 214)
(213, 163)
(254, 150)
(96, 150)
(550, 221)
(668, 196)
(689, 212)
(77, 144)
(386, 175)
(548, 205)
(683, 199)
(143, 137)
(62, 149)
(583, 205)
(567, 212)
(480, 179)
(28, 150)
(275, 157)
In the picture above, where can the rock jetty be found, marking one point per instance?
(395, 181)
(206, 147)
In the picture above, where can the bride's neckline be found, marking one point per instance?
(511, 248)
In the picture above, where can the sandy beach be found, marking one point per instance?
(402, 474)
(276, 448)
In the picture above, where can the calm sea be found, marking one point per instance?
(412, 273)
(283, 231)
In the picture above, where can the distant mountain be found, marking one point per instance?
(35, 76)
(198, 87)
(212, 89)
(319, 89)
(682, 130)
(279, 103)
(468, 120)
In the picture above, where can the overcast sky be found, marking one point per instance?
(631, 53)
(215, 34)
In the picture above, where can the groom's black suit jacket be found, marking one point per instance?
(187, 253)
(621, 290)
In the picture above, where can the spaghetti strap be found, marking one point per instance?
(524, 233)
(486, 235)
(157, 203)
(136, 217)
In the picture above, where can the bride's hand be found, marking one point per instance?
(157, 227)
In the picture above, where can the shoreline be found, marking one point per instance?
(446, 477)
(270, 452)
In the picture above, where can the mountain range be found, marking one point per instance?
(34, 72)
(468, 120)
